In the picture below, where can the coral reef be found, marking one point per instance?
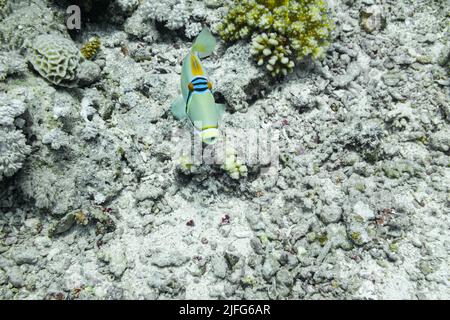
(24, 17)
(296, 29)
(185, 15)
(348, 198)
(13, 147)
(13, 151)
(174, 14)
(239, 79)
(141, 26)
(11, 63)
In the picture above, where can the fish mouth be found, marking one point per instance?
(210, 135)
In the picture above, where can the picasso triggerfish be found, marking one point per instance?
(197, 101)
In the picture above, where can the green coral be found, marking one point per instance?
(393, 247)
(282, 30)
(361, 187)
(322, 238)
(356, 238)
(395, 170)
(248, 281)
(90, 48)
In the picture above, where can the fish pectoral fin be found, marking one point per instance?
(178, 108)
(220, 109)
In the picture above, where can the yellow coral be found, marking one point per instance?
(185, 164)
(81, 218)
(302, 28)
(232, 165)
(90, 48)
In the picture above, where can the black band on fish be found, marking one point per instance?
(196, 79)
(187, 101)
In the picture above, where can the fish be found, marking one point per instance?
(196, 102)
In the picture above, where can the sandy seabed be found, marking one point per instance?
(95, 202)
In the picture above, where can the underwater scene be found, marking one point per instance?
(224, 149)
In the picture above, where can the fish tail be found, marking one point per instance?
(204, 43)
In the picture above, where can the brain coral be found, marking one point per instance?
(56, 59)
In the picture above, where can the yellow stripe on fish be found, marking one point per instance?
(196, 67)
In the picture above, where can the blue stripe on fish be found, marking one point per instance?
(200, 84)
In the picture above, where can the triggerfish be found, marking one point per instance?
(196, 102)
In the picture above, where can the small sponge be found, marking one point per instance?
(90, 48)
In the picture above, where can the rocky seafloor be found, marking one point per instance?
(94, 205)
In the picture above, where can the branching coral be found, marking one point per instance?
(232, 165)
(42, 187)
(13, 147)
(175, 14)
(10, 109)
(266, 48)
(11, 63)
(13, 151)
(288, 29)
(56, 138)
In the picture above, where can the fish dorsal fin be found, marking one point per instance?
(204, 44)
